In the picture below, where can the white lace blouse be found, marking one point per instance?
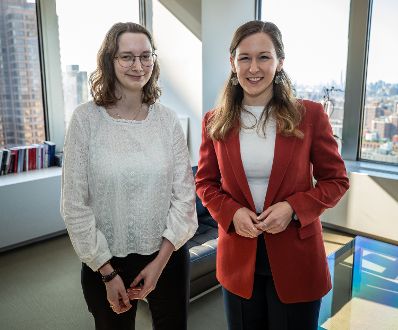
(126, 184)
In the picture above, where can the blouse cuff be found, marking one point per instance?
(96, 263)
(176, 241)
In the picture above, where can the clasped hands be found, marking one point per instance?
(145, 282)
(273, 220)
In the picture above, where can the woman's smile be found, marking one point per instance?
(254, 80)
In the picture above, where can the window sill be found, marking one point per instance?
(373, 169)
(16, 178)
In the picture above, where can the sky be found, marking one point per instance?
(383, 42)
(315, 34)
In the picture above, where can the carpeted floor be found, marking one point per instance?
(40, 290)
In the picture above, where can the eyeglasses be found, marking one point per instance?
(127, 60)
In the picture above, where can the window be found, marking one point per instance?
(82, 27)
(14, 14)
(316, 49)
(380, 124)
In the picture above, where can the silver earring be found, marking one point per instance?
(278, 78)
(234, 80)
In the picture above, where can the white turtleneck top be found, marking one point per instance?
(257, 153)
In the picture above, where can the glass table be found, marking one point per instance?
(364, 274)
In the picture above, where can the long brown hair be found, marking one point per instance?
(103, 79)
(285, 108)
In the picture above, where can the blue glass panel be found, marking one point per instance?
(375, 274)
(364, 268)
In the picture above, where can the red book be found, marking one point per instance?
(14, 168)
(32, 157)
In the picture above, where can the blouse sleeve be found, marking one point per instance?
(182, 220)
(89, 243)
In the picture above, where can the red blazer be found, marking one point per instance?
(296, 255)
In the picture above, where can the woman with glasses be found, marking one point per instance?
(128, 196)
(260, 150)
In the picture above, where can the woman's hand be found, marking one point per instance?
(149, 276)
(244, 222)
(117, 295)
(275, 219)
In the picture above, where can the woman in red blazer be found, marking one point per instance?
(261, 149)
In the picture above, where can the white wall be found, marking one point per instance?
(180, 59)
(370, 206)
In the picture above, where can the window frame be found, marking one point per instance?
(50, 61)
(357, 62)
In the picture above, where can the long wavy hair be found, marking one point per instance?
(103, 79)
(283, 106)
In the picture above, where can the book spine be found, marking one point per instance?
(45, 161)
(1, 161)
(20, 160)
(51, 152)
(8, 160)
(26, 160)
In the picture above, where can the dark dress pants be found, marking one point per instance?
(168, 303)
(264, 310)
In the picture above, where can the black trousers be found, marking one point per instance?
(264, 310)
(168, 303)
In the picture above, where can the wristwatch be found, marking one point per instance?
(109, 277)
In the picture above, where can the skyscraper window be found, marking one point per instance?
(380, 124)
(20, 122)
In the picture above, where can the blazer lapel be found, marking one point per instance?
(284, 147)
(232, 145)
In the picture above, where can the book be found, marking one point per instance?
(32, 157)
(26, 160)
(14, 165)
(45, 155)
(1, 161)
(51, 153)
(21, 159)
(35, 152)
(8, 159)
(41, 156)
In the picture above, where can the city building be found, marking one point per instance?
(383, 128)
(21, 103)
(75, 89)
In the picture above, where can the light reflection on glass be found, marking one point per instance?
(362, 269)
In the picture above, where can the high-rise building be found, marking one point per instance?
(370, 114)
(21, 103)
(75, 89)
(383, 127)
(394, 122)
